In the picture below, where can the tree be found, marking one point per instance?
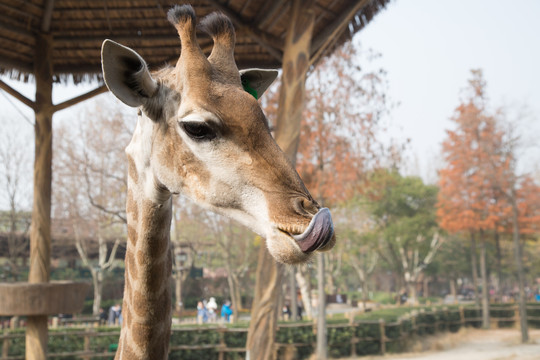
(15, 221)
(408, 235)
(479, 184)
(90, 180)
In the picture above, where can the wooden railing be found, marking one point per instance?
(385, 333)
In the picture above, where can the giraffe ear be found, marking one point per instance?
(126, 74)
(258, 80)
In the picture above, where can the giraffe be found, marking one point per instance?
(199, 133)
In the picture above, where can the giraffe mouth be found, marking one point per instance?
(318, 234)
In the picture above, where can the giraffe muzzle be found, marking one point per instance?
(319, 232)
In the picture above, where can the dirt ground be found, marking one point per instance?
(472, 344)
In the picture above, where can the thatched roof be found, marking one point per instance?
(79, 27)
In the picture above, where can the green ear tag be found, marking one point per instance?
(249, 89)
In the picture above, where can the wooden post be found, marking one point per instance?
(354, 339)
(517, 316)
(87, 344)
(40, 232)
(383, 336)
(413, 324)
(322, 348)
(264, 312)
(5, 348)
(292, 293)
(446, 322)
(462, 316)
(222, 344)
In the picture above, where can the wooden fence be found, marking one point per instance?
(350, 339)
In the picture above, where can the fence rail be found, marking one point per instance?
(96, 344)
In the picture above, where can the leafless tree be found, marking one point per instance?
(14, 175)
(90, 181)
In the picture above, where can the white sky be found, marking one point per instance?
(428, 48)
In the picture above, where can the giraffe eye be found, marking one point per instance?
(199, 131)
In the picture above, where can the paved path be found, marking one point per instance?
(473, 344)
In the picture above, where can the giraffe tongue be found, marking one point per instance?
(318, 233)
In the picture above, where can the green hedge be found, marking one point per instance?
(340, 334)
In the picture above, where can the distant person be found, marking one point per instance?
(102, 317)
(226, 311)
(212, 309)
(403, 298)
(300, 311)
(114, 314)
(202, 315)
(286, 312)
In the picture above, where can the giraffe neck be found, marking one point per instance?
(147, 296)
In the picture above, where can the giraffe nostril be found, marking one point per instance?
(305, 206)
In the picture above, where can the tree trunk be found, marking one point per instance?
(411, 292)
(261, 334)
(97, 279)
(178, 291)
(40, 232)
(264, 312)
(474, 270)
(322, 351)
(425, 287)
(485, 289)
(499, 267)
(237, 294)
(292, 294)
(518, 256)
(304, 283)
(330, 284)
(365, 293)
(232, 292)
(453, 291)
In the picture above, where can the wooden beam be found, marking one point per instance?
(272, 44)
(262, 18)
(47, 16)
(9, 10)
(325, 37)
(17, 95)
(78, 99)
(9, 26)
(107, 15)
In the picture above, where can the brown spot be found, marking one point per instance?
(132, 235)
(153, 273)
(131, 205)
(140, 333)
(132, 170)
(131, 265)
(151, 308)
(301, 64)
(288, 72)
(155, 239)
(127, 352)
(127, 318)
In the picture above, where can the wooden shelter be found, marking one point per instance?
(48, 41)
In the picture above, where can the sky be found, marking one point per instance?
(428, 48)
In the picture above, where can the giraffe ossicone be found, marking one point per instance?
(201, 134)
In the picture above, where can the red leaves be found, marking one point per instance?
(479, 176)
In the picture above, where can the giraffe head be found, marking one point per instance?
(201, 134)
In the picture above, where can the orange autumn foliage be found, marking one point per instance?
(340, 130)
(479, 174)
